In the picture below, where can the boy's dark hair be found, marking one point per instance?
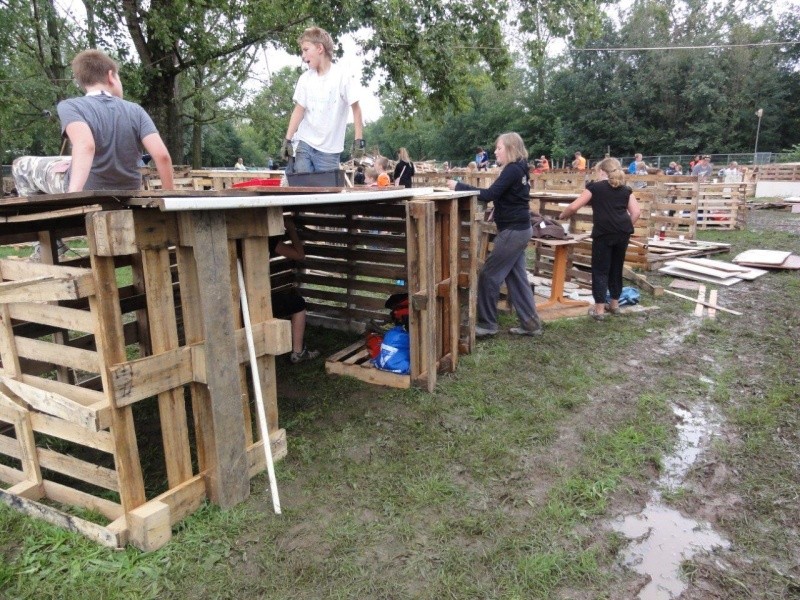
(91, 67)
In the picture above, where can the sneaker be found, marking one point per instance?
(484, 332)
(595, 315)
(533, 327)
(302, 356)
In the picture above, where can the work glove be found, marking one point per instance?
(287, 150)
(358, 148)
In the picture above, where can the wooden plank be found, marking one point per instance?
(113, 233)
(12, 476)
(67, 495)
(421, 274)
(149, 526)
(94, 532)
(29, 456)
(8, 347)
(22, 269)
(53, 404)
(164, 337)
(708, 304)
(58, 354)
(49, 289)
(244, 383)
(78, 469)
(53, 426)
(53, 315)
(256, 271)
(701, 296)
(110, 339)
(227, 468)
(374, 376)
(712, 299)
(191, 310)
(256, 456)
(138, 379)
(185, 498)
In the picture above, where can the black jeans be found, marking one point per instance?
(608, 258)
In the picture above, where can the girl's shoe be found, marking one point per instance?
(612, 310)
(595, 315)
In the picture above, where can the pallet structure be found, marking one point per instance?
(94, 366)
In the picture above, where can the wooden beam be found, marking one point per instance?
(227, 469)
(53, 404)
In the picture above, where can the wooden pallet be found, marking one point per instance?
(355, 362)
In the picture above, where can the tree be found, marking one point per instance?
(423, 45)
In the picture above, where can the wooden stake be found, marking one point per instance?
(722, 308)
(262, 417)
(712, 298)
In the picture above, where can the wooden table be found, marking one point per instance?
(561, 252)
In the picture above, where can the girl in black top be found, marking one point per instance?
(614, 211)
(404, 169)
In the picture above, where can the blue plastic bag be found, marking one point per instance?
(628, 297)
(395, 354)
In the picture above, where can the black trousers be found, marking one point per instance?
(608, 258)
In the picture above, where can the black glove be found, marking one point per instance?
(287, 150)
(358, 148)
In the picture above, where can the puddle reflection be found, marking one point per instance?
(661, 537)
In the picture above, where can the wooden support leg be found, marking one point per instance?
(229, 483)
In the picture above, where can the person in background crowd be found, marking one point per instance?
(239, 166)
(382, 166)
(732, 174)
(579, 163)
(404, 169)
(693, 162)
(703, 169)
(510, 194)
(472, 166)
(358, 176)
(637, 166)
(482, 159)
(544, 164)
(323, 97)
(614, 213)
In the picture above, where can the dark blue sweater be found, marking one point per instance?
(510, 194)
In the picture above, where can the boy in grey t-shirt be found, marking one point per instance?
(107, 133)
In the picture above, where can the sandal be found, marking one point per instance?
(595, 315)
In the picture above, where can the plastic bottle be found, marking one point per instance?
(663, 233)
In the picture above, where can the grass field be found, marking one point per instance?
(502, 482)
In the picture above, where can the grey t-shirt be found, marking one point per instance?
(118, 127)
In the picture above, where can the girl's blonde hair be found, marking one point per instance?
(402, 154)
(515, 147)
(317, 35)
(382, 163)
(612, 168)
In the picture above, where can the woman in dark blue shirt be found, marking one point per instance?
(510, 195)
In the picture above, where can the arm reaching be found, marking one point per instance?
(576, 205)
(160, 155)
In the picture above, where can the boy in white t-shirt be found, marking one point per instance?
(323, 98)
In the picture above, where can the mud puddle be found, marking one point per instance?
(662, 538)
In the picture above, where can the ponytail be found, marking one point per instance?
(612, 168)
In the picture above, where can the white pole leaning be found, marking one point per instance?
(262, 417)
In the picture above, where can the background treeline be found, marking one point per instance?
(453, 75)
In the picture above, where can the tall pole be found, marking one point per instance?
(759, 114)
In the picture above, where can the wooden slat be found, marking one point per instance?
(53, 426)
(164, 338)
(95, 532)
(138, 379)
(78, 469)
(55, 316)
(58, 354)
(53, 404)
(111, 347)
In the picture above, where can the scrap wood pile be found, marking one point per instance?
(746, 266)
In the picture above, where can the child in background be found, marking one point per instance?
(382, 166)
(371, 176)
